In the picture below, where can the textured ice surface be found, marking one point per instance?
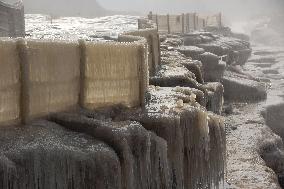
(143, 155)
(9, 83)
(46, 156)
(112, 74)
(53, 76)
(174, 115)
(175, 58)
(49, 75)
(153, 42)
(43, 26)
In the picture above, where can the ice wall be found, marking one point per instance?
(9, 82)
(176, 23)
(112, 74)
(184, 23)
(190, 19)
(162, 23)
(152, 37)
(53, 73)
(39, 77)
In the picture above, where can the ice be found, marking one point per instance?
(195, 138)
(112, 74)
(143, 155)
(43, 26)
(152, 37)
(52, 76)
(9, 83)
(47, 156)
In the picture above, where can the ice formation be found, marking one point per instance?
(188, 130)
(45, 155)
(51, 76)
(143, 156)
(9, 82)
(166, 140)
(112, 74)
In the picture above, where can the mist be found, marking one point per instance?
(241, 15)
(234, 10)
(231, 7)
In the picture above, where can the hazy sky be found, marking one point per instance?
(155, 5)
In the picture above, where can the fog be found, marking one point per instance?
(233, 9)
(241, 15)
